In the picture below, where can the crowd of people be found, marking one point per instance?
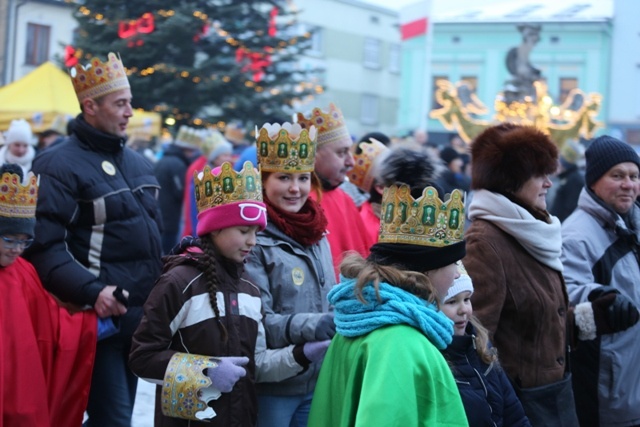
(310, 278)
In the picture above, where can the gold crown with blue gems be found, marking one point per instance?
(331, 125)
(288, 148)
(425, 221)
(184, 388)
(226, 186)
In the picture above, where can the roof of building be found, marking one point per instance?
(530, 11)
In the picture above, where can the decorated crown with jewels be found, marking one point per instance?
(361, 174)
(288, 148)
(18, 200)
(186, 390)
(99, 78)
(227, 186)
(425, 221)
(331, 125)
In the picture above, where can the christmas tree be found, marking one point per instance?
(202, 62)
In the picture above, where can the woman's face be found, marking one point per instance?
(443, 278)
(288, 191)
(18, 149)
(534, 191)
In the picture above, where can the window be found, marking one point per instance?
(434, 89)
(316, 40)
(371, 53)
(472, 83)
(566, 85)
(369, 110)
(394, 58)
(37, 44)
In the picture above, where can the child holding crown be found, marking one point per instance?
(47, 354)
(201, 338)
(384, 367)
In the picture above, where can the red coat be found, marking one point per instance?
(346, 230)
(371, 222)
(189, 228)
(46, 354)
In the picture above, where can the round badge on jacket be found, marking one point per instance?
(108, 168)
(297, 275)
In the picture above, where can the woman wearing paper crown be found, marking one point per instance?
(292, 266)
(201, 338)
(384, 366)
(46, 356)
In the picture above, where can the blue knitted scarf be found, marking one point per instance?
(395, 307)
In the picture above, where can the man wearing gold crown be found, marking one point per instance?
(45, 362)
(333, 160)
(98, 228)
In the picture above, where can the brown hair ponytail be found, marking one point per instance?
(209, 267)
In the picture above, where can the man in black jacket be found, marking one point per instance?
(98, 229)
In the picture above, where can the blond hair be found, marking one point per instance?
(366, 271)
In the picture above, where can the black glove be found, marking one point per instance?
(612, 311)
(326, 328)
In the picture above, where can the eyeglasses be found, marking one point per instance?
(10, 243)
(257, 213)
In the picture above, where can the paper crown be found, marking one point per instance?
(189, 137)
(361, 174)
(228, 186)
(287, 148)
(186, 390)
(99, 78)
(425, 221)
(18, 200)
(331, 126)
(214, 144)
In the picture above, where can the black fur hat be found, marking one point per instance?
(409, 166)
(505, 156)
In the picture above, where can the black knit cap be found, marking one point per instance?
(604, 153)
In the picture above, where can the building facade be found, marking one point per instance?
(582, 44)
(358, 47)
(35, 31)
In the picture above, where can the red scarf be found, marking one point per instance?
(307, 226)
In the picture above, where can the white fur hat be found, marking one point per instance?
(461, 284)
(19, 131)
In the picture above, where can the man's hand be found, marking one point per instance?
(107, 305)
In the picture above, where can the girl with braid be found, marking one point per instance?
(201, 339)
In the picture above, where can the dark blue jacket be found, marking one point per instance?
(97, 220)
(487, 394)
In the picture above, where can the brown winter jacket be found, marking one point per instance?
(178, 318)
(522, 303)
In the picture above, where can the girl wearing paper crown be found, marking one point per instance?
(384, 366)
(292, 266)
(47, 354)
(201, 338)
(487, 394)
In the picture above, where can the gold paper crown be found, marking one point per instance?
(99, 78)
(287, 148)
(361, 174)
(426, 221)
(17, 200)
(189, 137)
(184, 389)
(227, 186)
(331, 126)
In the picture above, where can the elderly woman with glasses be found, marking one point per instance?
(292, 265)
(46, 354)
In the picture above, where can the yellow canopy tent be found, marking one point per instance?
(46, 93)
